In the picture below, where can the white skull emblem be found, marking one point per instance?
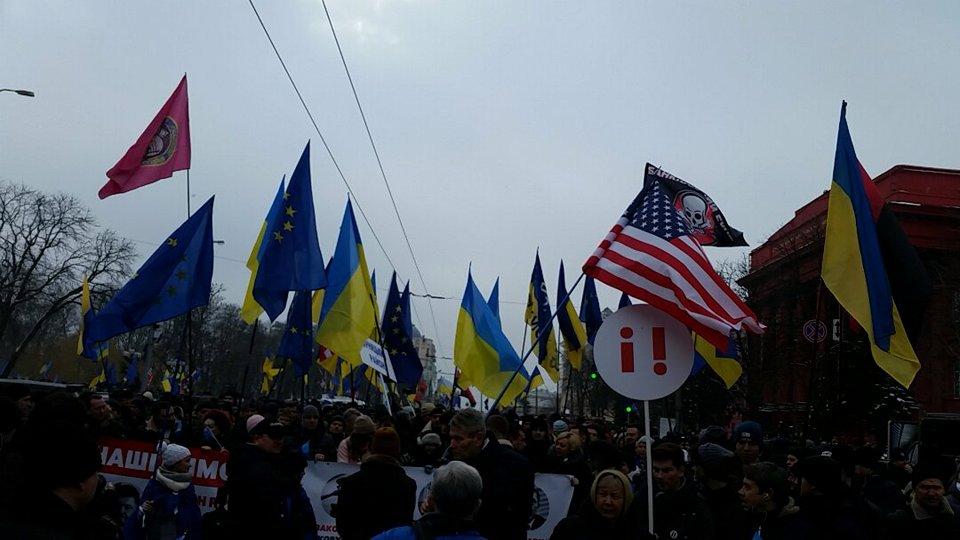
(695, 211)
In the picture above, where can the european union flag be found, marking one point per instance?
(296, 344)
(397, 330)
(291, 259)
(174, 280)
(590, 309)
(540, 319)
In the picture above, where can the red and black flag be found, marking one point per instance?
(704, 219)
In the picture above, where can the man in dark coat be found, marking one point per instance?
(679, 511)
(507, 477)
(255, 486)
(929, 515)
(380, 496)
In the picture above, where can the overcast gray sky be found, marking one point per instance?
(503, 126)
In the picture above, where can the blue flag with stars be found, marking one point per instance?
(174, 280)
(296, 344)
(590, 309)
(291, 259)
(398, 337)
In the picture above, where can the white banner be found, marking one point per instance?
(134, 463)
(551, 497)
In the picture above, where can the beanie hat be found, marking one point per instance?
(624, 481)
(253, 422)
(715, 460)
(363, 425)
(386, 442)
(560, 426)
(311, 411)
(748, 431)
(430, 438)
(712, 434)
(172, 453)
(821, 471)
(930, 469)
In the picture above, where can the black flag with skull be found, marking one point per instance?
(705, 220)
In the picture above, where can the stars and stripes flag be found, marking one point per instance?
(651, 255)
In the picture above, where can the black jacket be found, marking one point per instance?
(575, 465)
(842, 517)
(379, 497)
(588, 524)
(507, 492)
(39, 515)
(682, 514)
(913, 523)
(256, 492)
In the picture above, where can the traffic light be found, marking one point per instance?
(593, 375)
(629, 409)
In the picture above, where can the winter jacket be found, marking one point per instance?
(255, 492)
(784, 524)
(915, 523)
(44, 516)
(840, 517)
(507, 492)
(588, 524)
(434, 526)
(175, 513)
(681, 514)
(575, 465)
(380, 496)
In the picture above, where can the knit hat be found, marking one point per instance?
(930, 469)
(624, 481)
(386, 442)
(821, 471)
(173, 453)
(363, 425)
(715, 460)
(560, 426)
(430, 438)
(748, 431)
(310, 411)
(712, 434)
(253, 422)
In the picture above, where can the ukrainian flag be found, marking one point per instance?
(481, 350)
(571, 328)
(723, 362)
(269, 374)
(251, 308)
(349, 314)
(853, 267)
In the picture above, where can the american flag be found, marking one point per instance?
(651, 255)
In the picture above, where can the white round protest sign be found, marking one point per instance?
(643, 353)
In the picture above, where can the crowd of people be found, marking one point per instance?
(737, 484)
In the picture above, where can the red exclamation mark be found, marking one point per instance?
(626, 350)
(659, 351)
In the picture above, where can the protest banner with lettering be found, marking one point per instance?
(134, 462)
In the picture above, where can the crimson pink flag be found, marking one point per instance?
(164, 147)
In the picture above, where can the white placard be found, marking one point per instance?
(377, 358)
(643, 353)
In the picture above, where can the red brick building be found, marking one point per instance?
(787, 370)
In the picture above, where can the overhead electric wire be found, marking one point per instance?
(320, 134)
(383, 173)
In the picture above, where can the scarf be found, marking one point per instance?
(174, 481)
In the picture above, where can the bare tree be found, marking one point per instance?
(48, 242)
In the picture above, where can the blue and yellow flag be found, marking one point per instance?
(296, 345)
(539, 318)
(291, 260)
(174, 280)
(269, 373)
(853, 266)
(91, 350)
(590, 309)
(723, 362)
(494, 300)
(572, 330)
(398, 337)
(132, 375)
(481, 350)
(251, 308)
(99, 380)
(348, 317)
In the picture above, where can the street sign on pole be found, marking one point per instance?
(643, 353)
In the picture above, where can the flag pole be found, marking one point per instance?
(253, 337)
(534, 342)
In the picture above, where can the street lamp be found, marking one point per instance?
(28, 93)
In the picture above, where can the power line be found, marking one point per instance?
(383, 173)
(320, 134)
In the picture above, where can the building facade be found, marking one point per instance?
(813, 364)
